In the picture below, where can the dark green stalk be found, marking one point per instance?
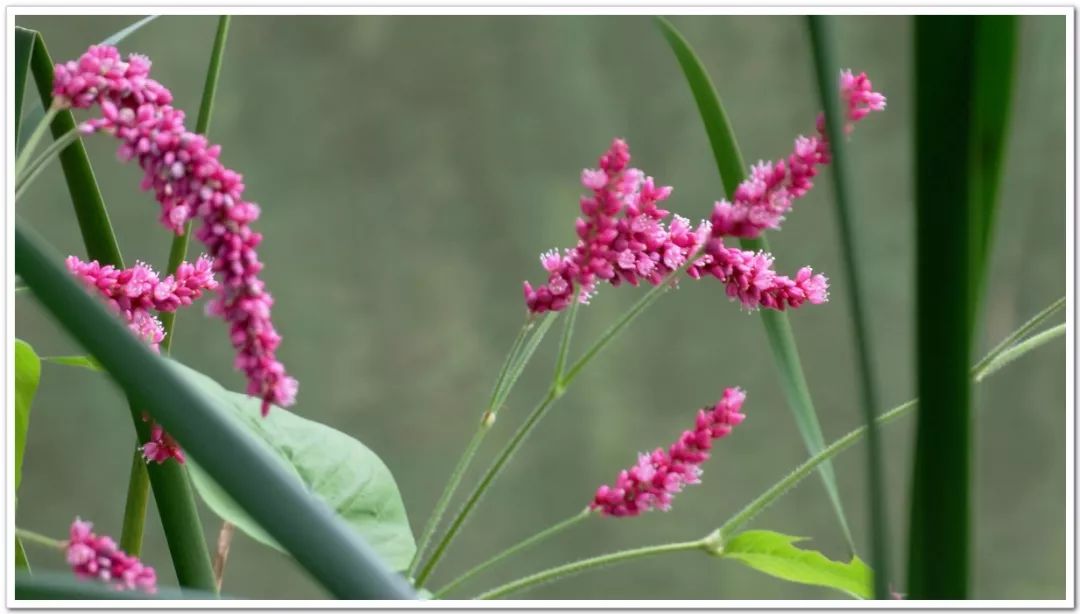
(24, 47)
(53, 585)
(243, 465)
(178, 248)
(821, 38)
(939, 546)
(176, 505)
(138, 495)
(732, 169)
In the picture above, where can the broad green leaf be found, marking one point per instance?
(775, 554)
(336, 468)
(85, 362)
(27, 376)
(729, 163)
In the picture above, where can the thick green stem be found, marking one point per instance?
(138, 496)
(569, 569)
(175, 501)
(512, 550)
(39, 539)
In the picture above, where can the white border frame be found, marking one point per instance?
(482, 7)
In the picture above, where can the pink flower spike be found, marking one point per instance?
(99, 558)
(659, 475)
(188, 181)
(751, 280)
(621, 236)
(761, 201)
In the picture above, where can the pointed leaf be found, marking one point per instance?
(775, 554)
(27, 376)
(333, 466)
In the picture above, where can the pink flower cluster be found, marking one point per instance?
(760, 202)
(658, 476)
(621, 236)
(99, 558)
(188, 181)
(133, 293)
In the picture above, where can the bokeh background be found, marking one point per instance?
(410, 169)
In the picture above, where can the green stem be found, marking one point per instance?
(39, 539)
(557, 389)
(39, 131)
(522, 545)
(27, 177)
(564, 344)
(178, 248)
(172, 490)
(993, 361)
(562, 571)
(489, 477)
(1022, 332)
(21, 562)
(138, 495)
(821, 37)
(499, 392)
(1008, 355)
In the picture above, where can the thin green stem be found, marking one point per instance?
(33, 169)
(489, 477)
(448, 492)
(569, 569)
(993, 361)
(519, 353)
(138, 495)
(522, 360)
(522, 545)
(21, 562)
(1022, 332)
(821, 37)
(179, 247)
(564, 344)
(39, 539)
(556, 391)
(31, 142)
(1008, 355)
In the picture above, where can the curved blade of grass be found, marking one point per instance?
(821, 41)
(729, 162)
(995, 69)
(128, 31)
(242, 465)
(172, 489)
(24, 48)
(946, 230)
(54, 585)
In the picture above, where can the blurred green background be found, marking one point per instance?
(411, 169)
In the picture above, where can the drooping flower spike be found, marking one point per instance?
(659, 475)
(99, 558)
(189, 181)
(133, 293)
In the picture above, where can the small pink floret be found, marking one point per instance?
(99, 558)
(659, 475)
